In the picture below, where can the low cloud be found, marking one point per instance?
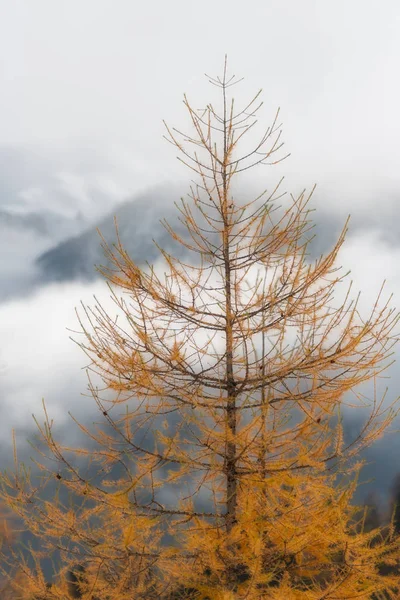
(39, 360)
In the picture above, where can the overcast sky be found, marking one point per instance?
(101, 75)
(85, 85)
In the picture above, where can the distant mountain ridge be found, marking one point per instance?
(24, 236)
(138, 224)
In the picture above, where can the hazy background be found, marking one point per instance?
(84, 87)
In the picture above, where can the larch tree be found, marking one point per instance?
(220, 468)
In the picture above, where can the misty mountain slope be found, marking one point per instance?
(24, 236)
(44, 200)
(138, 223)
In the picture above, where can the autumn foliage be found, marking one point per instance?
(219, 468)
